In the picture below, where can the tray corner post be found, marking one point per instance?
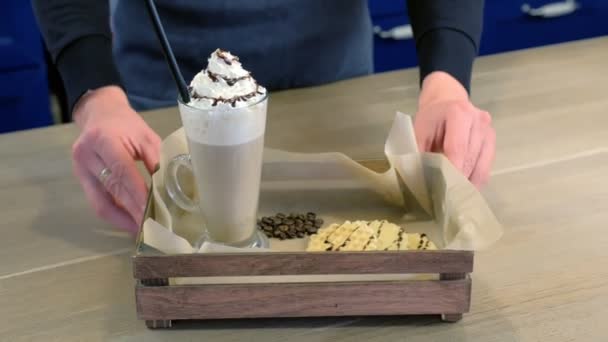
(157, 323)
(454, 317)
(451, 318)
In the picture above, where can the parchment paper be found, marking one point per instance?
(422, 192)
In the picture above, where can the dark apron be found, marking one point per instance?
(284, 43)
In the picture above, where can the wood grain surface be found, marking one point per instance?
(67, 276)
(300, 263)
(303, 299)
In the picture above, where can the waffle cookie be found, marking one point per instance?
(367, 236)
(359, 239)
(388, 235)
(317, 242)
(342, 233)
(420, 241)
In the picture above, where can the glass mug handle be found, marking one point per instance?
(172, 184)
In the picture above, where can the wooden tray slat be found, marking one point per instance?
(300, 263)
(303, 299)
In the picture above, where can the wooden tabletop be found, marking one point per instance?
(65, 275)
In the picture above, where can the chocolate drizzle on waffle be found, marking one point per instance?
(367, 236)
(230, 81)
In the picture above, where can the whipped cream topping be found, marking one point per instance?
(224, 83)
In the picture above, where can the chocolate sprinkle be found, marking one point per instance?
(222, 54)
(231, 81)
(232, 100)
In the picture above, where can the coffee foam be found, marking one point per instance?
(224, 125)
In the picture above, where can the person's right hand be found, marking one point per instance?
(449, 123)
(113, 136)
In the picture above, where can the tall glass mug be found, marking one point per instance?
(226, 147)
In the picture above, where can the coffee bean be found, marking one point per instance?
(289, 226)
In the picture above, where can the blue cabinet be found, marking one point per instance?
(24, 95)
(391, 53)
(506, 27)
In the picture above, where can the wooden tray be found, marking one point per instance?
(159, 303)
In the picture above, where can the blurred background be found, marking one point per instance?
(32, 95)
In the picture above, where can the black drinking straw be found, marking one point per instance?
(162, 38)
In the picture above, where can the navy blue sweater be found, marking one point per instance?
(285, 43)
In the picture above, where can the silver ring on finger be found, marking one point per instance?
(104, 174)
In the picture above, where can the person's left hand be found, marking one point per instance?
(447, 122)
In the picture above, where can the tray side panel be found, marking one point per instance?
(300, 263)
(303, 300)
